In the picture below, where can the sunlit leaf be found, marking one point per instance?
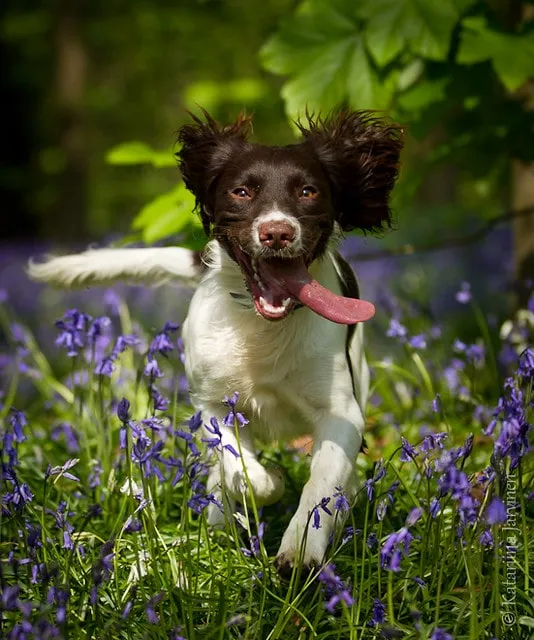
(166, 215)
(130, 153)
(512, 55)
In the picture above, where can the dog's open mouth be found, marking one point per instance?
(278, 284)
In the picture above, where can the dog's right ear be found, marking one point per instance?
(206, 146)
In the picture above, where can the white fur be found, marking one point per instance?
(152, 266)
(292, 376)
(293, 379)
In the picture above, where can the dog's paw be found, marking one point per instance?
(285, 565)
(267, 485)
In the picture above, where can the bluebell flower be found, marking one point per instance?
(396, 546)
(417, 342)
(379, 613)
(434, 508)
(94, 475)
(123, 411)
(396, 330)
(464, 295)
(233, 415)
(72, 439)
(341, 502)
(254, 542)
(335, 590)
(408, 452)
(97, 328)
(127, 609)
(440, 634)
(372, 541)
(436, 403)
(414, 515)
(73, 328)
(496, 511)
(161, 343)
(486, 539)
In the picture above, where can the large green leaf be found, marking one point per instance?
(512, 55)
(139, 153)
(423, 26)
(166, 215)
(322, 49)
(365, 88)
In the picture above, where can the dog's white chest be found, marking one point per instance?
(283, 372)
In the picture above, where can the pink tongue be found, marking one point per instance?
(299, 283)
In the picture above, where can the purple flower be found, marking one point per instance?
(162, 342)
(434, 508)
(464, 295)
(413, 516)
(436, 403)
(72, 439)
(341, 502)
(94, 475)
(440, 634)
(396, 546)
(233, 415)
(486, 539)
(335, 590)
(417, 342)
(396, 330)
(496, 511)
(97, 328)
(372, 541)
(379, 613)
(408, 452)
(18, 421)
(123, 411)
(254, 542)
(152, 369)
(73, 328)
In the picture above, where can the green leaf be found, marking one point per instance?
(423, 94)
(321, 85)
(130, 153)
(511, 55)
(364, 87)
(423, 26)
(168, 214)
(323, 51)
(526, 621)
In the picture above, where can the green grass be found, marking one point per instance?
(71, 568)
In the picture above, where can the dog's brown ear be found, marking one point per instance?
(359, 152)
(206, 146)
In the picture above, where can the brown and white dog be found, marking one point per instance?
(275, 315)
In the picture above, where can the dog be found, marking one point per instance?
(276, 315)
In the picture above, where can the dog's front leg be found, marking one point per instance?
(338, 441)
(237, 472)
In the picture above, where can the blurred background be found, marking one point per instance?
(94, 92)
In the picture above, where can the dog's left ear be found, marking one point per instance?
(207, 146)
(360, 155)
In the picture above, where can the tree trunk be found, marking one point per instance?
(523, 197)
(70, 216)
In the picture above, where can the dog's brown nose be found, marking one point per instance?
(276, 234)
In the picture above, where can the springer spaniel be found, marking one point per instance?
(276, 315)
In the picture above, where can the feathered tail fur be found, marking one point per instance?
(151, 266)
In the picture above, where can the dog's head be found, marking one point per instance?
(274, 208)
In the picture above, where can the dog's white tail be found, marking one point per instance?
(152, 266)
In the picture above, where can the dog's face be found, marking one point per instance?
(274, 208)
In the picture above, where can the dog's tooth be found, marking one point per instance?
(286, 302)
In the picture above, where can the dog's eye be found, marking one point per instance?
(241, 192)
(308, 192)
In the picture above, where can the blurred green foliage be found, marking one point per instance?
(450, 71)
